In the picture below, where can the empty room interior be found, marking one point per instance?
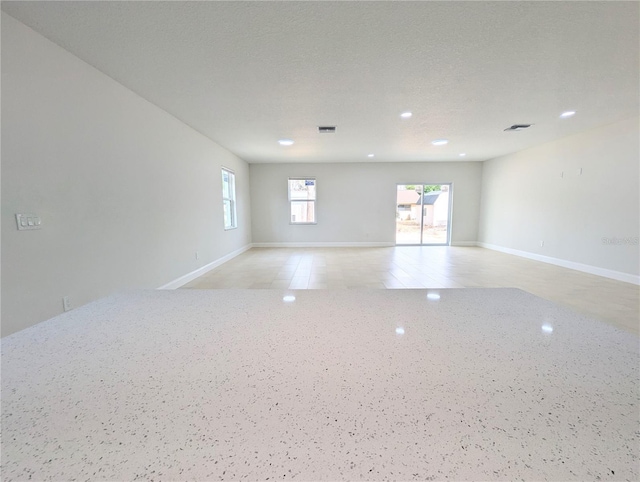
(320, 240)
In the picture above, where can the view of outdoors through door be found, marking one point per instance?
(422, 213)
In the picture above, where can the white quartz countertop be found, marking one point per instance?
(332, 385)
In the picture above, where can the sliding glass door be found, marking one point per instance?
(423, 214)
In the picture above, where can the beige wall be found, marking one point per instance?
(540, 195)
(356, 202)
(126, 192)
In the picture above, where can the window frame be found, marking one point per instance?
(314, 200)
(231, 199)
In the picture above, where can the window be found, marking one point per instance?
(229, 198)
(302, 200)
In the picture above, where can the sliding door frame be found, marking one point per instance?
(449, 212)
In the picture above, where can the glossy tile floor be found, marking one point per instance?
(458, 384)
(608, 300)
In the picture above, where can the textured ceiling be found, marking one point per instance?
(248, 73)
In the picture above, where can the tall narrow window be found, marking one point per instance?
(302, 200)
(229, 198)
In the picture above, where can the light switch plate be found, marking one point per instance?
(28, 221)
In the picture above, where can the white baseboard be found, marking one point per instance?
(585, 268)
(183, 280)
(345, 245)
(322, 245)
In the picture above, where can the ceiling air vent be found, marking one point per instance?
(327, 129)
(518, 127)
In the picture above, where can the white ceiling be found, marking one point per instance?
(248, 73)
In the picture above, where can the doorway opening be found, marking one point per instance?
(423, 214)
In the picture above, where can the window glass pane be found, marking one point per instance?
(227, 214)
(303, 212)
(226, 191)
(232, 186)
(302, 189)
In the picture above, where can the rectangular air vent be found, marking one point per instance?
(327, 129)
(518, 127)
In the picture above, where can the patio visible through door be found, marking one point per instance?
(423, 214)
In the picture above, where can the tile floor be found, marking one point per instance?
(612, 301)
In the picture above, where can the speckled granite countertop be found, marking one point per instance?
(334, 385)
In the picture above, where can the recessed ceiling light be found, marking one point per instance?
(370, 155)
(439, 142)
(406, 115)
(285, 142)
(568, 113)
(462, 154)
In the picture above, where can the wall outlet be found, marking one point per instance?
(66, 303)
(580, 172)
(541, 244)
(197, 255)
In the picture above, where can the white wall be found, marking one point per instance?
(126, 192)
(525, 200)
(356, 202)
